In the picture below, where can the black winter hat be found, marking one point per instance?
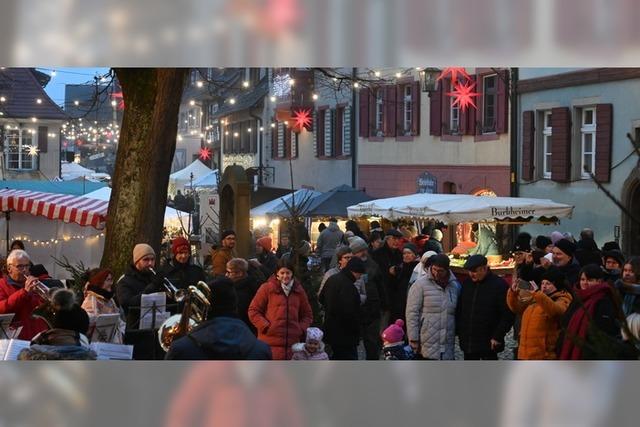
(523, 243)
(411, 247)
(223, 299)
(356, 265)
(566, 246)
(615, 254)
(542, 242)
(555, 276)
(226, 234)
(610, 246)
(395, 233)
(68, 314)
(475, 261)
(440, 260)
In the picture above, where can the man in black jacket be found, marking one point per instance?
(180, 272)
(372, 306)
(246, 287)
(482, 315)
(341, 301)
(223, 336)
(387, 257)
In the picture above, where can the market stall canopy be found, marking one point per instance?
(334, 203)
(275, 206)
(209, 180)
(70, 171)
(84, 211)
(456, 208)
(172, 217)
(182, 179)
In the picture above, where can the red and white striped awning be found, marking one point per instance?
(68, 208)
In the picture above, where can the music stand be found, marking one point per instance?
(105, 327)
(5, 326)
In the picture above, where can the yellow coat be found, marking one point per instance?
(540, 325)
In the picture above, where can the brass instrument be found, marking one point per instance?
(172, 292)
(46, 310)
(196, 309)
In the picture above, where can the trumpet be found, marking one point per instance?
(170, 289)
(46, 310)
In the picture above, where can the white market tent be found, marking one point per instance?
(277, 205)
(172, 217)
(209, 180)
(71, 170)
(457, 208)
(182, 179)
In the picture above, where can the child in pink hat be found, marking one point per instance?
(394, 346)
(312, 348)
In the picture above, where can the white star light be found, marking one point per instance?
(32, 150)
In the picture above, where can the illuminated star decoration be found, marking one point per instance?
(456, 73)
(117, 96)
(205, 153)
(32, 150)
(463, 95)
(302, 118)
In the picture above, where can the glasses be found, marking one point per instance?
(21, 266)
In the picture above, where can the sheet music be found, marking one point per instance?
(147, 300)
(145, 321)
(108, 351)
(9, 349)
(105, 327)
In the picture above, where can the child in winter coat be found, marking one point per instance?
(312, 348)
(394, 347)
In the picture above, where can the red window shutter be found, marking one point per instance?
(604, 132)
(471, 114)
(502, 110)
(415, 101)
(320, 133)
(287, 142)
(561, 144)
(43, 138)
(363, 99)
(390, 104)
(372, 112)
(337, 148)
(396, 93)
(435, 112)
(446, 107)
(528, 144)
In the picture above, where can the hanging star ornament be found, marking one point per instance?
(456, 73)
(302, 119)
(463, 95)
(32, 150)
(205, 153)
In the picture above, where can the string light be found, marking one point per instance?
(192, 102)
(54, 241)
(3, 99)
(273, 99)
(53, 73)
(38, 101)
(232, 101)
(377, 73)
(314, 96)
(245, 84)
(356, 85)
(34, 119)
(76, 102)
(199, 83)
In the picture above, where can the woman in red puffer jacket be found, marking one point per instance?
(281, 311)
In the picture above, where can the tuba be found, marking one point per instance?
(195, 310)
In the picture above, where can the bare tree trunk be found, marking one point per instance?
(143, 163)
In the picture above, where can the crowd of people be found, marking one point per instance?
(385, 294)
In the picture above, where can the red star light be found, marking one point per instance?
(205, 153)
(456, 73)
(463, 95)
(302, 119)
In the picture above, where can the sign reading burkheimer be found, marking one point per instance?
(511, 211)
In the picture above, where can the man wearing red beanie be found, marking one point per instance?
(180, 271)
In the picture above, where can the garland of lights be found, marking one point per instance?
(49, 242)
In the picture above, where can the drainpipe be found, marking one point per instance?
(354, 139)
(259, 120)
(514, 132)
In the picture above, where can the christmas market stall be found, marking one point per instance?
(478, 220)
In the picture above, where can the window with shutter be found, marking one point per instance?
(604, 135)
(547, 132)
(363, 99)
(528, 138)
(346, 131)
(292, 142)
(280, 141)
(407, 101)
(379, 112)
(339, 132)
(489, 103)
(43, 139)
(328, 132)
(561, 144)
(320, 130)
(315, 134)
(587, 142)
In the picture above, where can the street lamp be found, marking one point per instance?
(429, 79)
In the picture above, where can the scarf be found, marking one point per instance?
(287, 287)
(102, 292)
(581, 320)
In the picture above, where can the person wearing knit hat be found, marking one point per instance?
(544, 243)
(397, 292)
(434, 242)
(343, 255)
(142, 250)
(312, 348)
(563, 257)
(421, 269)
(555, 236)
(67, 339)
(341, 302)
(180, 271)
(98, 300)
(265, 259)
(393, 345)
(613, 260)
(541, 314)
(222, 255)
